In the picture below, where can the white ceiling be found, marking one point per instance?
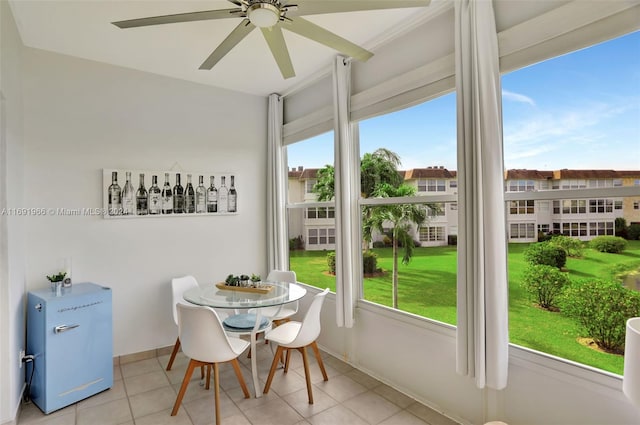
(83, 29)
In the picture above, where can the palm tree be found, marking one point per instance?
(400, 218)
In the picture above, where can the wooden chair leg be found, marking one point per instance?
(316, 352)
(208, 384)
(236, 367)
(183, 388)
(176, 348)
(216, 384)
(305, 360)
(286, 362)
(274, 365)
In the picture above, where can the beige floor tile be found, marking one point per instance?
(140, 367)
(403, 418)
(341, 387)
(394, 396)
(275, 412)
(30, 413)
(112, 413)
(336, 363)
(202, 410)
(164, 418)
(299, 400)
(372, 407)
(287, 383)
(116, 392)
(195, 390)
(429, 415)
(364, 379)
(337, 415)
(153, 401)
(63, 419)
(146, 382)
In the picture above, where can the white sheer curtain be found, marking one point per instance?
(277, 167)
(483, 339)
(347, 191)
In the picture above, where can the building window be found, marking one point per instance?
(431, 234)
(574, 229)
(436, 185)
(521, 207)
(521, 186)
(600, 183)
(453, 184)
(617, 205)
(636, 205)
(544, 228)
(601, 228)
(309, 184)
(435, 209)
(321, 236)
(574, 206)
(600, 206)
(522, 231)
(573, 184)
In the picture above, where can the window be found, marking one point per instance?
(521, 186)
(521, 207)
(431, 234)
(309, 185)
(433, 261)
(522, 231)
(600, 206)
(548, 136)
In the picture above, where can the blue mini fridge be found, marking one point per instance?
(71, 339)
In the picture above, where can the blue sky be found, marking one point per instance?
(580, 111)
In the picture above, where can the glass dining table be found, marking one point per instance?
(238, 298)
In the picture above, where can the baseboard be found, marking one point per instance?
(142, 355)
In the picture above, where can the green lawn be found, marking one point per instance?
(427, 287)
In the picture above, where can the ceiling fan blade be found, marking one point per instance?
(315, 7)
(278, 47)
(180, 17)
(236, 36)
(310, 30)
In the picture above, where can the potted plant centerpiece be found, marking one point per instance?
(56, 280)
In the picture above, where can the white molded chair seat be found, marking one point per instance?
(280, 313)
(206, 343)
(299, 336)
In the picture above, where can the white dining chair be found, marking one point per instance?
(299, 335)
(179, 286)
(206, 343)
(281, 313)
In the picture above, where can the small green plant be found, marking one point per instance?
(610, 244)
(545, 283)
(572, 246)
(331, 262)
(547, 254)
(602, 309)
(370, 262)
(59, 277)
(255, 278)
(633, 232)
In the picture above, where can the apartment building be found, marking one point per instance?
(583, 218)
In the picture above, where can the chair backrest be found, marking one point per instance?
(178, 286)
(310, 329)
(282, 276)
(202, 335)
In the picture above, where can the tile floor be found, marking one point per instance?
(143, 394)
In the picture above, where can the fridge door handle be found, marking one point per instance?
(64, 328)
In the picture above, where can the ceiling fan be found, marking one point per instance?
(271, 16)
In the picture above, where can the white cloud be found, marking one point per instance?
(517, 97)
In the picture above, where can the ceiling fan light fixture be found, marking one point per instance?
(263, 15)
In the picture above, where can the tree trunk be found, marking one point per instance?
(395, 271)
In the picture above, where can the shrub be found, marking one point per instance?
(369, 259)
(370, 262)
(452, 240)
(543, 237)
(547, 254)
(621, 229)
(572, 246)
(544, 283)
(296, 243)
(633, 231)
(378, 244)
(602, 309)
(331, 262)
(611, 244)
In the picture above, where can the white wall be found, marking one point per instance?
(12, 258)
(83, 116)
